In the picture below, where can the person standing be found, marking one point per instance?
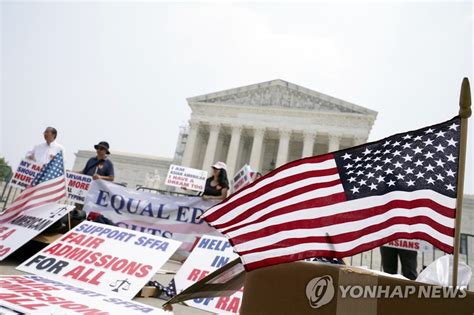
(408, 258)
(99, 167)
(217, 185)
(46, 151)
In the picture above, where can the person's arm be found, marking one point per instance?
(103, 177)
(31, 154)
(109, 173)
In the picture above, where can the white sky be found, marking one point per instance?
(121, 72)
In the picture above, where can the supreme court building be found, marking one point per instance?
(268, 124)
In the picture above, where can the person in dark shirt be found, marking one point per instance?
(99, 167)
(217, 185)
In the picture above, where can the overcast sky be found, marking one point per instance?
(121, 72)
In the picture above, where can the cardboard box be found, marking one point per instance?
(149, 291)
(288, 289)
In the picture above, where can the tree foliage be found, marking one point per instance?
(5, 169)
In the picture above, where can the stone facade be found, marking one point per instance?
(269, 124)
(132, 170)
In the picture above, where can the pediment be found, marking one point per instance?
(279, 93)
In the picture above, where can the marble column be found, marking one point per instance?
(256, 153)
(358, 140)
(189, 151)
(211, 147)
(233, 150)
(283, 145)
(334, 143)
(308, 144)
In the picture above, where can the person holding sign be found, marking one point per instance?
(217, 185)
(46, 151)
(99, 167)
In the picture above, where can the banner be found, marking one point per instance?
(25, 173)
(21, 229)
(35, 294)
(413, 245)
(174, 217)
(185, 177)
(77, 186)
(209, 254)
(242, 178)
(103, 258)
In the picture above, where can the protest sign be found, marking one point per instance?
(168, 216)
(413, 245)
(185, 177)
(242, 178)
(24, 174)
(77, 186)
(35, 294)
(20, 229)
(103, 258)
(209, 254)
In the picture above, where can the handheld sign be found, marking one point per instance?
(210, 253)
(35, 294)
(25, 173)
(103, 258)
(185, 177)
(77, 186)
(22, 228)
(242, 178)
(413, 245)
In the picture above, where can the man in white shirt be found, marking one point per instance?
(45, 152)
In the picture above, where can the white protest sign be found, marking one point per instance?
(19, 230)
(103, 258)
(210, 253)
(185, 177)
(175, 217)
(77, 186)
(25, 173)
(242, 178)
(35, 294)
(413, 245)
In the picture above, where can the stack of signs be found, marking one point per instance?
(185, 177)
(25, 173)
(242, 178)
(20, 229)
(105, 259)
(413, 245)
(209, 254)
(35, 294)
(77, 186)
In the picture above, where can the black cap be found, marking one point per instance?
(103, 144)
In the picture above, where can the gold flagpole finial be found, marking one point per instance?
(465, 99)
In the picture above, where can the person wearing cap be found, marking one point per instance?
(99, 167)
(46, 151)
(217, 185)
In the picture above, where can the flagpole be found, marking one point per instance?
(464, 113)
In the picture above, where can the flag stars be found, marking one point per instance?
(406, 146)
(418, 163)
(430, 130)
(360, 173)
(351, 180)
(428, 142)
(407, 158)
(409, 171)
(417, 138)
(362, 182)
(358, 159)
(450, 173)
(417, 150)
(419, 175)
(454, 127)
(367, 151)
(390, 183)
(380, 179)
(451, 158)
(398, 165)
(399, 176)
(378, 168)
(440, 148)
(387, 160)
(388, 171)
(396, 143)
(355, 190)
(450, 187)
(373, 186)
(386, 143)
(439, 177)
(429, 168)
(440, 163)
(440, 134)
(451, 142)
(410, 183)
(346, 156)
(428, 155)
(430, 181)
(407, 137)
(370, 175)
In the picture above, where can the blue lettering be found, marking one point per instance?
(120, 205)
(102, 197)
(182, 214)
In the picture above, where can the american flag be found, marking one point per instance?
(340, 204)
(48, 186)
